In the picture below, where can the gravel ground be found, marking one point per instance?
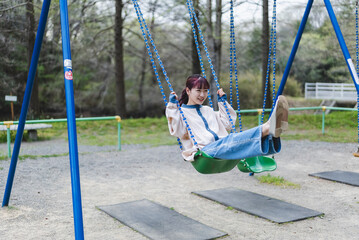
(41, 205)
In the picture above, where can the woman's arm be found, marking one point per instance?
(176, 125)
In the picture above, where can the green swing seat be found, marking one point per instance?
(207, 164)
(257, 164)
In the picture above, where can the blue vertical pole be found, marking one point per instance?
(295, 47)
(342, 44)
(26, 100)
(71, 122)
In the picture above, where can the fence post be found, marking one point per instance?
(8, 124)
(260, 116)
(316, 91)
(118, 118)
(323, 119)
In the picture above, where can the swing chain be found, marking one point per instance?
(143, 25)
(357, 61)
(193, 15)
(233, 61)
(272, 44)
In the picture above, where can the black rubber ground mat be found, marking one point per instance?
(259, 205)
(351, 178)
(158, 222)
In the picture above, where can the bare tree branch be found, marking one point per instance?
(13, 7)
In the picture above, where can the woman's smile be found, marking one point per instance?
(196, 96)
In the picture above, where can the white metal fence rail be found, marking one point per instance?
(332, 91)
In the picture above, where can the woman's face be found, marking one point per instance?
(196, 96)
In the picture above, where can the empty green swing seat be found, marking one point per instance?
(257, 164)
(207, 164)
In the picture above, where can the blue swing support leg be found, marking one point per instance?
(71, 122)
(70, 110)
(342, 44)
(294, 48)
(340, 38)
(26, 100)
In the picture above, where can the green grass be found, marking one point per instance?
(339, 127)
(27, 156)
(149, 131)
(277, 181)
(12, 208)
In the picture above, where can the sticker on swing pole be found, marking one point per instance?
(68, 63)
(353, 71)
(68, 75)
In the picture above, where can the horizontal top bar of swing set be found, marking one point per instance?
(65, 120)
(300, 109)
(117, 117)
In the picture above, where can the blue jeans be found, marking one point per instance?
(244, 144)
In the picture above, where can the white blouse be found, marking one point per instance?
(206, 125)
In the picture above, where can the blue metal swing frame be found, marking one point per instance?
(340, 38)
(70, 106)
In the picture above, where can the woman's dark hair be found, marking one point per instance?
(195, 80)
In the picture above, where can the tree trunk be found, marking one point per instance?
(142, 81)
(119, 65)
(211, 46)
(152, 27)
(30, 16)
(265, 52)
(196, 66)
(144, 63)
(218, 40)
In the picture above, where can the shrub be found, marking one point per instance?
(250, 89)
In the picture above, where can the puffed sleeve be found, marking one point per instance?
(176, 125)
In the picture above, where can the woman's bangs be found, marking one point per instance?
(201, 83)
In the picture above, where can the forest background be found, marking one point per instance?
(113, 74)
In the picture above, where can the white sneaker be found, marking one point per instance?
(278, 122)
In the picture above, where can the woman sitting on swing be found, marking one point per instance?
(210, 128)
